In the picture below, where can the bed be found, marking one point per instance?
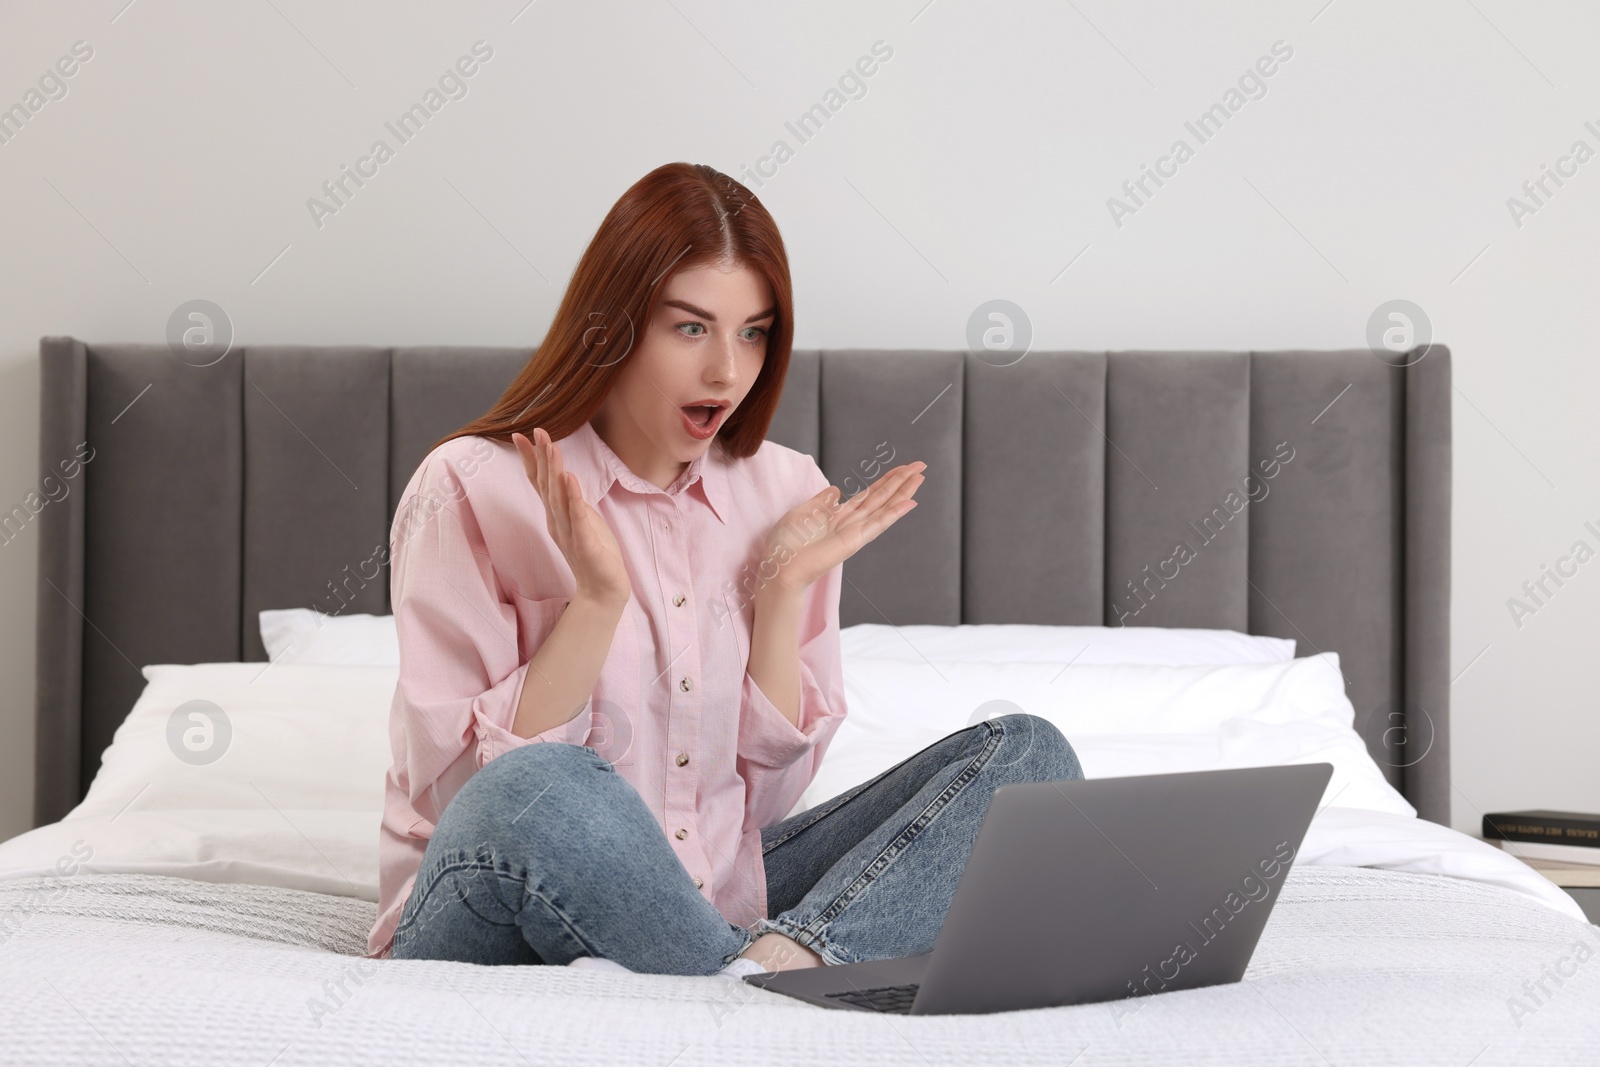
(229, 920)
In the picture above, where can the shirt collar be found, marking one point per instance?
(586, 454)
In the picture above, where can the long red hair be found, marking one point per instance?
(677, 216)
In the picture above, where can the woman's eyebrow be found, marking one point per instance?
(704, 314)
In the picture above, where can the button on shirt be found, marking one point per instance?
(476, 585)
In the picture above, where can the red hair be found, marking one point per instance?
(677, 216)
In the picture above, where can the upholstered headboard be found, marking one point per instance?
(1312, 490)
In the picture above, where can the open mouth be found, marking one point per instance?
(702, 420)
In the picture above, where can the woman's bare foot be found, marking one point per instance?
(778, 952)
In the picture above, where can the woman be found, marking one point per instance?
(603, 718)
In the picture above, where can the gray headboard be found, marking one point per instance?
(1055, 485)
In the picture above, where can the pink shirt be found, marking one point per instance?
(477, 583)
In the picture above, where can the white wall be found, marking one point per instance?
(976, 166)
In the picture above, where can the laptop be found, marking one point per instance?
(1087, 890)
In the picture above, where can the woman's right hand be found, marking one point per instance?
(584, 537)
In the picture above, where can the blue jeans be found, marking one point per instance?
(866, 875)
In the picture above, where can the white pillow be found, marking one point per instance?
(1122, 719)
(303, 635)
(1029, 643)
(292, 794)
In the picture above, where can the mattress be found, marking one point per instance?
(1355, 965)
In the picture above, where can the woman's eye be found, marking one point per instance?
(752, 333)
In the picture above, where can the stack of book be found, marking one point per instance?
(1563, 836)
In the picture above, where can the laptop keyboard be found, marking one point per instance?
(890, 998)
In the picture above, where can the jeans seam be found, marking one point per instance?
(528, 890)
(850, 794)
(847, 896)
(805, 936)
(407, 921)
(821, 812)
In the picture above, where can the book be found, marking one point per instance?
(1543, 850)
(1555, 827)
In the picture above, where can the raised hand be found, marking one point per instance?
(822, 533)
(584, 537)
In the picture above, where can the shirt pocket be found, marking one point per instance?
(615, 697)
(733, 624)
(536, 617)
(618, 698)
(618, 682)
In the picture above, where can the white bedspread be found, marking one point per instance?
(1352, 837)
(1355, 966)
(1395, 940)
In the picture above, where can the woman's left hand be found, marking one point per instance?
(820, 534)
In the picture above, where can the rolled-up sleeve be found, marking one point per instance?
(462, 665)
(778, 758)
